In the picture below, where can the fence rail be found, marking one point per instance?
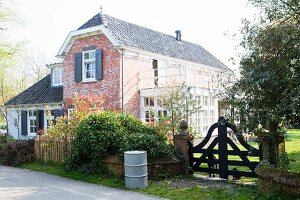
(52, 149)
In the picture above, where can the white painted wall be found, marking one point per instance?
(14, 119)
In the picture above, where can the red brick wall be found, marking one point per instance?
(108, 86)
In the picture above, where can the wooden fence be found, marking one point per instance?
(52, 149)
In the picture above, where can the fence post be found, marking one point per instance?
(222, 145)
(181, 141)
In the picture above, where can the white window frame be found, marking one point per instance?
(70, 110)
(29, 119)
(151, 112)
(57, 76)
(48, 118)
(84, 64)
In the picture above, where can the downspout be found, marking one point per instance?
(122, 80)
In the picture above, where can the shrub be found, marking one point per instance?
(17, 152)
(154, 144)
(110, 133)
(97, 136)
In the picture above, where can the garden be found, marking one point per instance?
(101, 134)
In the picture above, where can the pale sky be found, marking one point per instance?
(48, 22)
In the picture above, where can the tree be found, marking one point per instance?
(269, 86)
(180, 104)
(8, 54)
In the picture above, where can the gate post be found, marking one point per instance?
(222, 145)
(181, 141)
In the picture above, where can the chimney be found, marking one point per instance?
(178, 35)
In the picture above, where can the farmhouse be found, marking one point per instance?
(127, 63)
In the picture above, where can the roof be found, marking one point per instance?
(145, 39)
(39, 93)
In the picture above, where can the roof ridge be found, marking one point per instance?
(150, 40)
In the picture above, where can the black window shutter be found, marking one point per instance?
(78, 67)
(99, 67)
(39, 120)
(24, 130)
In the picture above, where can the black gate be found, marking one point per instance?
(217, 160)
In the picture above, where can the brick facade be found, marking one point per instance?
(109, 86)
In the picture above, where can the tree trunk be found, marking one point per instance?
(276, 142)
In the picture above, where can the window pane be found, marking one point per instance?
(165, 113)
(86, 55)
(88, 74)
(151, 101)
(88, 66)
(92, 55)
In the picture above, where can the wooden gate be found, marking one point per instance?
(223, 153)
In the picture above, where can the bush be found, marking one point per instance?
(110, 133)
(96, 137)
(154, 144)
(17, 152)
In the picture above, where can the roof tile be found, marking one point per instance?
(38, 93)
(145, 39)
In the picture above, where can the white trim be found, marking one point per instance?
(29, 118)
(73, 35)
(83, 66)
(54, 65)
(60, 76)
(34, 106)
(70, 110)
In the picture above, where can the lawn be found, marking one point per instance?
(293, 148)
(189, 187)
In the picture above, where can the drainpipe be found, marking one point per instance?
(122, 80)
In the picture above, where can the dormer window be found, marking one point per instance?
(57, 76)
(89, 66)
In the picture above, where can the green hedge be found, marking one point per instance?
(111, 133)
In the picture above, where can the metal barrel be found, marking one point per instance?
(136, 171)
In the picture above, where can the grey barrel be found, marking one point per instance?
(136, 171)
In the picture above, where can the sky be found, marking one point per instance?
(209, 23)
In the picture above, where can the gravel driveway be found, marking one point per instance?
(24, 184)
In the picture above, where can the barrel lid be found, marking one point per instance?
(135, 152)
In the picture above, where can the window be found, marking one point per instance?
(89, 66)
(57, 76)
(149, 116)
(205, 101)
(50, 118)
(32, 122)
(148, 101)
(162, 114)
(70, 111)
(155, 70)
(212, 101)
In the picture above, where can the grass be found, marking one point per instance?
(163, 188)
(293, 148)
(59, 170)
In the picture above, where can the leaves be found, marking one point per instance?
(269, 83)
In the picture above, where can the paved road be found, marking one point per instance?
(20, 184)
